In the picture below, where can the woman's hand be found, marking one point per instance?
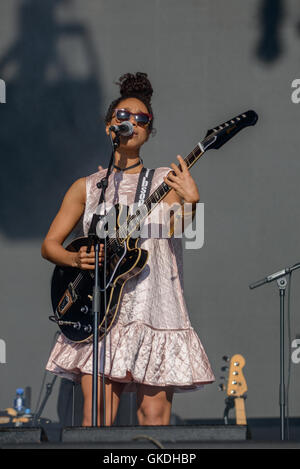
(85, 260)
(182, 182)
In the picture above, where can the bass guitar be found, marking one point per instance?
(236, 389)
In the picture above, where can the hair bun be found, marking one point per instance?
(137, 84)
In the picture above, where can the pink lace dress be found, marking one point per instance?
(152, 342)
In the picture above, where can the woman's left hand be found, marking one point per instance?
(182, 182)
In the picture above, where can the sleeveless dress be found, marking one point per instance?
(152, 341)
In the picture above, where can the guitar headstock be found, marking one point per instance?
(236, 383)
(219, 135)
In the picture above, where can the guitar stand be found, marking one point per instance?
(229, 401)
(230, 404)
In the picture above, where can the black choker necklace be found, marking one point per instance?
(129, 167)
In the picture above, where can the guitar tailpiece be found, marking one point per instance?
(76, 325)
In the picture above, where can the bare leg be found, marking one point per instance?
(154, 405)
(113, 391)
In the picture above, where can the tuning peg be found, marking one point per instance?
(222, 377)
(224, 368)
(225, 358)
(221, 387)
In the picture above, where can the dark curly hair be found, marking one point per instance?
(133, 86)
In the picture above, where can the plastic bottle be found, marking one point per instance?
(19, 401)
(28, 414)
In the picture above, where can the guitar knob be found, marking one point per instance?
(84, 309)
(87, 328)
(77, 325)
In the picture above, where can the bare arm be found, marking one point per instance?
(68, 215)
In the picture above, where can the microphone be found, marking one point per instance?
(125, 129)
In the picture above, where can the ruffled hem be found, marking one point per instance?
(136, 353)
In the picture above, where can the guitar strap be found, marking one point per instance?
(143, 186)
(142, 189)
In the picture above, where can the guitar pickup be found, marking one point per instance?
(72, 292)
(69, 298)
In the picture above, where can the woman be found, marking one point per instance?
(152, 348)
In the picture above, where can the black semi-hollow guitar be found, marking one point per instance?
(71, 288)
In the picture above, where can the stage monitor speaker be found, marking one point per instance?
(163, 434)
(26, 435)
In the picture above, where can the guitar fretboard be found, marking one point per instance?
(214, 139)
(150, 203)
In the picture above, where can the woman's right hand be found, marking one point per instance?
(86, 260)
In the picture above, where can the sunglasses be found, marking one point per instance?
(140, 117)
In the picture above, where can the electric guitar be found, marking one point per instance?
(236, 389)
(71, 288)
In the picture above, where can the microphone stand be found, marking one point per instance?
(93, 239)
(49, 388)
(281, 283)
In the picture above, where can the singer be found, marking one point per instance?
(152, 349)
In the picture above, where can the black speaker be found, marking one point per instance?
(69, 403)
(130, 435)
(70, 406)
(13, 435)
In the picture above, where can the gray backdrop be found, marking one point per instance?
(208, 60)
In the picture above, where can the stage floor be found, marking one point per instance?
(148, 445)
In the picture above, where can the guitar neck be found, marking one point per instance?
(240, 413)
(156, 197)
(215, 138)
(162, 190)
